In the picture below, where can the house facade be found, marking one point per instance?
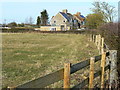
(63, 21)
(79, 20)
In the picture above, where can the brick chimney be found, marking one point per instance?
(65, 11)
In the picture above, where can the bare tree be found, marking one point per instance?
(107, 10)
(26, 21)
(29, 20)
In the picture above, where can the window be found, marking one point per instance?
(54, 21)
(64, 21)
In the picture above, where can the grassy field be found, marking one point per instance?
(27, 56)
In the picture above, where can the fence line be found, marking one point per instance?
(64, 74)
(56, 76)
(86, 81)
(111, 59)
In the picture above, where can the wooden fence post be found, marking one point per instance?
(99, 43)
(103, 60)
(96, 40)
(91, 74)
(102, 45)
(67, 75)
(113, 68)
(93, 38)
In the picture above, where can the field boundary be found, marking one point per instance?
(106, 57)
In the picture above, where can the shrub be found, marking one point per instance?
(110, 32)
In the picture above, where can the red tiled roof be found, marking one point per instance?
(78, 17)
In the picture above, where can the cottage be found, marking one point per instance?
(63, 21)
(78, 20)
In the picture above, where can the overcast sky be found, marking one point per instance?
(20, 10)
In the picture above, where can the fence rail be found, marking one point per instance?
(58, 75)
(86, 81)
(45, 80)
(64, 73)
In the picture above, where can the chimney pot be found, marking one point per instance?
(78, 13)
(65, 11)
